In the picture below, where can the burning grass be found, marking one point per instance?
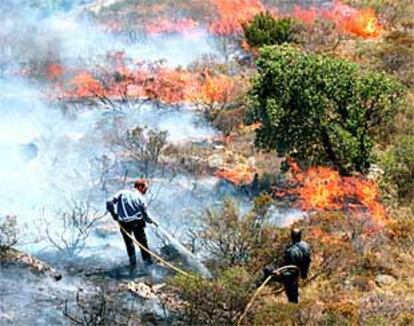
(226, 17)
(232, 14)
(154, 82)
(239, 175)
(324, 189)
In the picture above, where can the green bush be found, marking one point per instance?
(266, 30)
(214, 302)
(319, 109)
(234, 239)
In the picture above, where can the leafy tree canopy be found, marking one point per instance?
(319, 109)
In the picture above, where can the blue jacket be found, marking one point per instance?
(129, 205)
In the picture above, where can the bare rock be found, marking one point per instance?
(384, 280)
(141, 289)
(144, 290)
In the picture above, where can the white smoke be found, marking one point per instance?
(46, 151)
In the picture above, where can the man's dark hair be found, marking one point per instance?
(140, 183)
(296, 235)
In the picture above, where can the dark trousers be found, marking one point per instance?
(137, 229)
(291, 285)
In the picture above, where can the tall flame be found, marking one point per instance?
(322, 188)
(167, 85)
(232, 14)
(359, 22)
(85, 85)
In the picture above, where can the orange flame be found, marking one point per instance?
(322, 188)
(239, 175)
(362, 22)
(232, 14)
(307, 16)
(54, 71)
(85, 85)
(217, 89)
(171, 86)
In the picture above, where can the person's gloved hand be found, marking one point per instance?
(267, 271)
(151, 221)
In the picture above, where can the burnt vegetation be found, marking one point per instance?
(312, 115)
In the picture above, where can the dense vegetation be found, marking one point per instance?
(340, 102)
(320, 109)
(348, 108)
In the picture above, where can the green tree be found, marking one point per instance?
(319, 109)
(266, 30)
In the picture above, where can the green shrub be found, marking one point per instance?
(235, 239)
(266, 30)
(214, 302)
(319, 109)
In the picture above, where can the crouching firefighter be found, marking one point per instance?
(297, 255)
(129, 209)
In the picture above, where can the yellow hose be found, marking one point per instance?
(260, 288)
(278, 271)
(153, 254)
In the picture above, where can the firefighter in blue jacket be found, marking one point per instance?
(128, 207)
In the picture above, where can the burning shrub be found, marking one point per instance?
(230, 20)
(266, 30)
(321, 188)
(320, 109)
(8, 232)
